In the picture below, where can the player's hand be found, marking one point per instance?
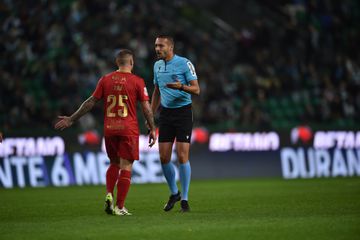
(64, 122)
(152, 137)
(174, 85)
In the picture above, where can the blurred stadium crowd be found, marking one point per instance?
(278, 66)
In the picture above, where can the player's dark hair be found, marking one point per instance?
(168, 37)
(122, 57)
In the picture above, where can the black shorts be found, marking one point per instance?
(176, 123)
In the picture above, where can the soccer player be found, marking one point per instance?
(120, 90)
(175, 81)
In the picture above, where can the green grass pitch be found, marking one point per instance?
(224, 209)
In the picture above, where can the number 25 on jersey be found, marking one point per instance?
(120, 100)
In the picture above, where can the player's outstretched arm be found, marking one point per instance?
(149, 116)
(85, 107)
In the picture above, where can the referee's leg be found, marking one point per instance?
(165, 149)
(182, 149)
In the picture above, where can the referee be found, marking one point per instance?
(175, 80)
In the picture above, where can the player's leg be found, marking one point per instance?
(128, 150)
(112, 175)
(123, 186)
(112, 172)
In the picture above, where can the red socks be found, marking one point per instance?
(123, 183)
(112, 175)
(123, 186)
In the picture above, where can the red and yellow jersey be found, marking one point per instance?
(120, 92)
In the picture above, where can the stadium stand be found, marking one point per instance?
(260, 65)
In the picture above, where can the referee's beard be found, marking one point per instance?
(162, 55)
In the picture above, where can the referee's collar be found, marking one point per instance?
(171, 60)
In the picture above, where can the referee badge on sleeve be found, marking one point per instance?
(191, 68)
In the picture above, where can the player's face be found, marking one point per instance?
(163, 48)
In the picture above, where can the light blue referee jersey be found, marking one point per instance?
(178, 68)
